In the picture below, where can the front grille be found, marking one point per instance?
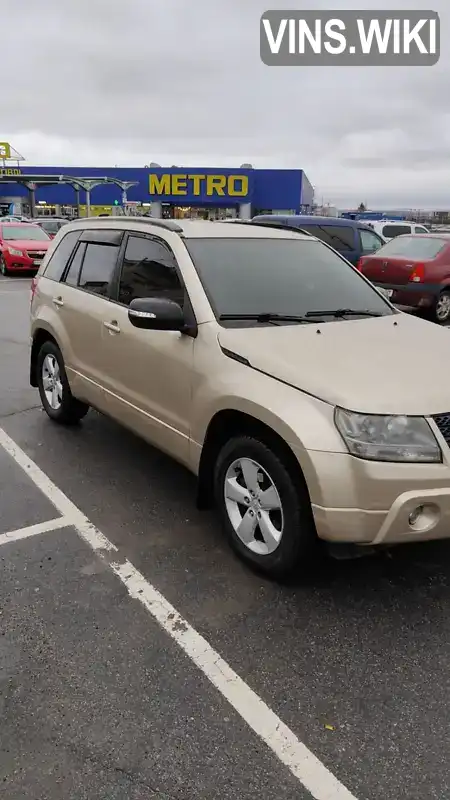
(35, 254)
(443, 423)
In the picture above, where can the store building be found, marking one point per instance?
(166, 192)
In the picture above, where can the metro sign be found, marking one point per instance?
(5, 150)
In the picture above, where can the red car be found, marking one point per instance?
(22, 247)
(414, 272)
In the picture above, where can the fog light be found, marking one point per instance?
(414, 516)
(424, 517)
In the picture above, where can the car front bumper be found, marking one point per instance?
(23, 263)
(371, 503)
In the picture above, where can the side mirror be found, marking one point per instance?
(156, 314)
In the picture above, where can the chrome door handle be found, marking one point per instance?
(112, 326)
(58, 301)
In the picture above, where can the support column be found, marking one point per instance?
(78, 202)
(32, 198)
(156, 210)
(88, 202)
(245, 211)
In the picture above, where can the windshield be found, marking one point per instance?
(24, 232)
(413, 247)
(279, 276)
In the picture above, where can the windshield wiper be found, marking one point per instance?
(265, 317)
(344, 312)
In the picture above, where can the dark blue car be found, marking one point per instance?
(350, 237)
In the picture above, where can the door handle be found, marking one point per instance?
(112, 326)
(58, 302)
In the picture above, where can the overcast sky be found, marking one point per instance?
(103, 82)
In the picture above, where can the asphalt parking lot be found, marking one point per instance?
(152, 664)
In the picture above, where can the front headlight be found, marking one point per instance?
(387, 438)
(15, 252)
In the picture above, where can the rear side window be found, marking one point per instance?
(61, 255)
(341, 237)
(413, 247)
(395, 230)
(98, 268)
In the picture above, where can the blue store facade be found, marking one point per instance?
(174, 191)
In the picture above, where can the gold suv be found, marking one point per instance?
(307, 405)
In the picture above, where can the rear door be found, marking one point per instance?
(82, 303)
(341, 237)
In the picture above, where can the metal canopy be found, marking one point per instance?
(31, 182)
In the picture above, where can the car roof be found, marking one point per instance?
(49, 219)
(189, 229)
(15, 224)
(311, 218)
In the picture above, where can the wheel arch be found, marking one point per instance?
(40, 336)
(226, 424)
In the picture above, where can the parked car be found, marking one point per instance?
(22, 247)
(389, 229)
(414, 272)
(12, 218)
(349, 237)
(50, 225)
(262, 361)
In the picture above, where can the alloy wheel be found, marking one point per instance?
(51, 382)
(254, 506)
(443, 307)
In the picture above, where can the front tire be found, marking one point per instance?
(57, 399)
(265, 508)
(3, 268)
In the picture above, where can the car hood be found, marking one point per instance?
(387, 365)
(26, 244)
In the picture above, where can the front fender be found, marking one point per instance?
(303, 421)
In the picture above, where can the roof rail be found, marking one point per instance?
(280, 225)
(168, 224)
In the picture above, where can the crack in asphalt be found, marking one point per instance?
(20, 411)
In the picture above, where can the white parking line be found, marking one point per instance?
(303, 764)
(33, 530)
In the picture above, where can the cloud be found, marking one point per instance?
(176, 82)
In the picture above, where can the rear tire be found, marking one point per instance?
(253, 481)
(57, 399)
(441, 312)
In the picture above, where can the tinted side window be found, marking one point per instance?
(420, 230)
(369, 241)
(98, 267)
(149, 270)
(341, 237)
(61, 255)
(74, 269)
(395, 230)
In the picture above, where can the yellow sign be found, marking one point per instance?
(5, 150)
(5, 172)
(95, 211)
(195, 185)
